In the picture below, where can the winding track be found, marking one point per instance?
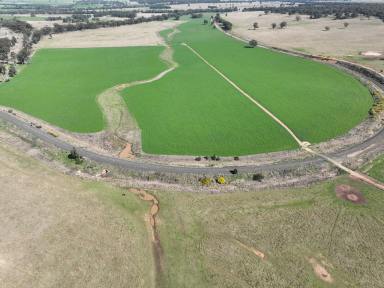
(136, 165)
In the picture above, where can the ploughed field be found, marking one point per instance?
(192, 110)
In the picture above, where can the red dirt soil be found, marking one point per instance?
(349, 193)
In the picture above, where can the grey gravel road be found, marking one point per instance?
(137, 165)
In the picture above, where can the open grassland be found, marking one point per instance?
(214, 240)
(376, 168)
(308, 35)
(60, 231)
(61, 85)
(197, 112)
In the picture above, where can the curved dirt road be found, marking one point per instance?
(371, 143)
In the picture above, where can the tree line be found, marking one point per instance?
(32, 36)
(224, 24)
(337, 10)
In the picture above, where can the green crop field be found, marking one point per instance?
(197, 112)
(192, 110)
(61, 85)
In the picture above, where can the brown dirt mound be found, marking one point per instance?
(127, 152)
(349, 193)
(320, 271)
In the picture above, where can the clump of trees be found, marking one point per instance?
(5, 48)
(12, 71)
(224, 24)
(196, 15)
(252, 43)
(17, 26)
(258, 177)
(23, 55)
(74, 155)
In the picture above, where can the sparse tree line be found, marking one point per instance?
(8, 8)
(337, 10)
(224, 24)
(29, 36)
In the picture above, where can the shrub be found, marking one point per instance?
(12, 71)
(198, 158)
(74, 155)
(258, 177)
(252, 43)
(206, 181)
(234, 171)
(220, 180)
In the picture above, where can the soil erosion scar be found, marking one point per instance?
(156, 245)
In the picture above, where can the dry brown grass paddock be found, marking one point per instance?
(61, 231)
(309, 35)
(308, 237)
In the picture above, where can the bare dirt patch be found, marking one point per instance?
(144, 34)
(349, 193)
(320, 271)
(258, 253)
(157, 249)
(127, 152)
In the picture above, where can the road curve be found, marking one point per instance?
(137, 165)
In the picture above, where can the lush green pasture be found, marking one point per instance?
(61, 85)
(197, 112)
(193, 111)
(203, 237)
